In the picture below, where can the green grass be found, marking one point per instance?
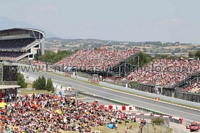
(80, 96)
(23, 92)
(126, 91)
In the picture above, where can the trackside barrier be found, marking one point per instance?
(121, 108)
(153, 113)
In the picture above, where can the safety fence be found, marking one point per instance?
(118, 107)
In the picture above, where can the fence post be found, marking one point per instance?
(160, 127)
(154, 130)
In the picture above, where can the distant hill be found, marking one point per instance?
(7, 23)
(62, 40)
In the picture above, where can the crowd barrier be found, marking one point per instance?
(151, 115)
(122, 108)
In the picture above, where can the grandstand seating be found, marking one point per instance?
(194, 88)
(15, 43)
(100, 59)
(10, 55)
(165, 72)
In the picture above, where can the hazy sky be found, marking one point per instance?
(127, 20)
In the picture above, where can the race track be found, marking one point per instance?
(166, 108)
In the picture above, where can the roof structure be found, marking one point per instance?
(20, 30)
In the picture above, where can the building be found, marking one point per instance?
(19, 43)
(16, 44)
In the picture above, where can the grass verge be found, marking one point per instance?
(23, 92)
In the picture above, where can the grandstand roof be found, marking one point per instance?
(26, 30)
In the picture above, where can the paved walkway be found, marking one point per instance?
(178, 128)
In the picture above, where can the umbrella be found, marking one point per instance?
(59, 112)
(2, 104)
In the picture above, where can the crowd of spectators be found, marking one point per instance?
(165, 72)
(97, 58)
(10, 55)
(15, 43)
(194, 88)
(50, 113)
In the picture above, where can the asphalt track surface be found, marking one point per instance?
(166, 108)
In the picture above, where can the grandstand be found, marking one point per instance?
(165, 72)
(98, 60)
(177, 78)
(18, 43)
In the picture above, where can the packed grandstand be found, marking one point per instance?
(17, 43)
(160, 72)
(99, 59)
(165, 72)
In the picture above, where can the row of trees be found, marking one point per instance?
(39, 84)
(143, 59)
(195, 54)
(42, 84)
(51, 56)
(146, 58)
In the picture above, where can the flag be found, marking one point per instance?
(60, 93)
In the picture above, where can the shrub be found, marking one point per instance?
(21, 81)
(157, 120)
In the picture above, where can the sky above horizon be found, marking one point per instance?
(130, 20)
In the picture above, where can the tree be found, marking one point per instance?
(197, 54)
(191, 54)
(35, 84)
(53, 57)
(40, 83)
(43, 83)
(143, 59)
(21, 81)
(49, 85)
(36, 56)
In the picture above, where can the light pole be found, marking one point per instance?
(76, 85)
(76, 98)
